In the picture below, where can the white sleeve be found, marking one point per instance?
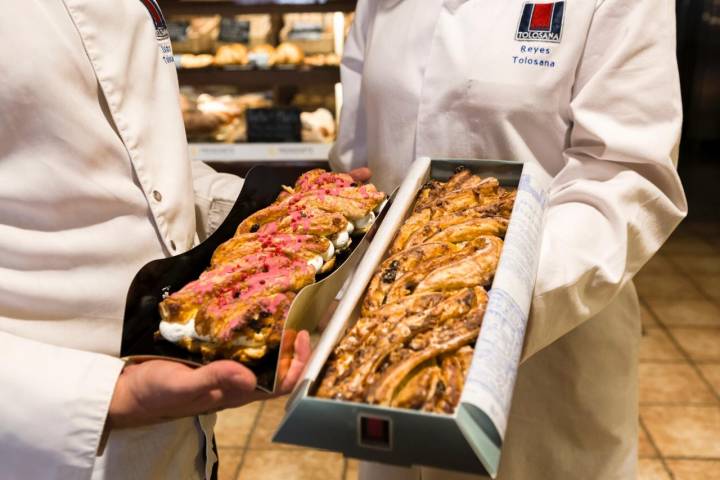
(350, 149)
(618, 197)
(215, 195)
(53, 406)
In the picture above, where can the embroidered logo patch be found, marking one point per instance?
(541, 22)
(161, 31)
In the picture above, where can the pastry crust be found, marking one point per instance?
(183, 305)
(288, 54)
(344, 353)
(302, 221)
(474, 264)
(314, 179)
(468, 231)
(447, 338)
(290, 244)
(350, 208)
(232, 54)
(388, 336)
(244, 332)
(398, 265)
(423, 309)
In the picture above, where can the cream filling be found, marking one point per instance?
(350, 228)
(328, 255)
(365, 222)
(174, 332)
(316, 262)
(258, 352)
(341, 240)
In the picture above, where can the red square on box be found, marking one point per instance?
(541, 16)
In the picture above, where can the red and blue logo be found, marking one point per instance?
(541, 22)
(161, 31)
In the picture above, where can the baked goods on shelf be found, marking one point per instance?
(221, 116)
(218, 118)
(288, 53)
(262, 55)
(423, 308)
(318, 126)
(231, 54)
(202, 60)
(322, 60)
(237, 308)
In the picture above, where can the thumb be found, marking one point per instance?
(361, 174)
(300, 359)
(223, 375)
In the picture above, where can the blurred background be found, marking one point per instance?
(277, 63)
(260, 83)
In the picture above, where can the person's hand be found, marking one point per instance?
(160, 390)
(361, 174)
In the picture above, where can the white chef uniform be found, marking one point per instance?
(94, 182)
(596, 103)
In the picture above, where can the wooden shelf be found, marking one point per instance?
(179, 7)
(258, 78)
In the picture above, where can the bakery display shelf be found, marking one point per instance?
(179, 7)
(259, 78)
(250, 152)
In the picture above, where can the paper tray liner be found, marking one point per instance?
(158, 278)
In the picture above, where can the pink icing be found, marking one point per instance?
(281, 278)
(233, 272)
(269, 228)
(323, 179)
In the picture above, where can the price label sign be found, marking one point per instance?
(234, 31)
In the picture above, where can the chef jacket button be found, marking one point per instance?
(157, 195)
(172, 245)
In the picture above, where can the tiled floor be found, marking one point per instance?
(679, 381)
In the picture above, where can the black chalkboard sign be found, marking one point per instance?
(270, 125)
(234, 31)
(177, 30)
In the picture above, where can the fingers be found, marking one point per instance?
(158, 390)
(302, 347)
(300, 359)
(163, 390)
(361, 174)
(287, 350)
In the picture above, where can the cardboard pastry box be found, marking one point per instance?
(471, 438)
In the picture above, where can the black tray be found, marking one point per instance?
(161, 277)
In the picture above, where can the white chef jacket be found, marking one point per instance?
(596, 103)
(94, 182)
